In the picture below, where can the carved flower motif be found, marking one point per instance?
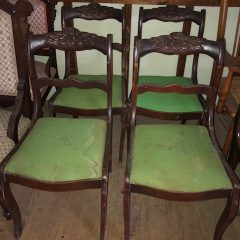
(177, 42)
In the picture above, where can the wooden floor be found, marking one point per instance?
(76, 215)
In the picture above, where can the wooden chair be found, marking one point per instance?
(62, 154)
(174, 161)
(12, 124)
(72, 101)
(169, 102)
(229, 90)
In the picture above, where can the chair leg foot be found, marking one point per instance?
(126, 213)
(14, 210)
(227, 216)
(104, 195)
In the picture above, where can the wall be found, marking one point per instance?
(153, 64)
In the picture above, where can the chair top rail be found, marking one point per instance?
(70, 39)
(178, 43)
(92, 11)
(172, 13)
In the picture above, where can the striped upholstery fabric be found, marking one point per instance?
(8, 66)
(6, 143)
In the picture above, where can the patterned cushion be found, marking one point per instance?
(6, 143)
(8, 66)
(38, 19)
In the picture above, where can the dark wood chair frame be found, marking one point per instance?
(182, 45)
(19, 14)
(66, 40)
(95, 11)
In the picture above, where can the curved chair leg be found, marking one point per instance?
(123, 131)
(14, 210)
(126, 213)
(228, 215)
(6, 212)
(104, 195)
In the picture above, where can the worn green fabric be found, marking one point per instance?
(61, 149)
(90, 98)
(168, 102)
(178, 158)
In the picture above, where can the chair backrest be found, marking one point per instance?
(69, 40)
(95, 11)
(172, 13)
(234, 152)
(178, 44)
(13, 34)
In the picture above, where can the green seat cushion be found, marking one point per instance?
(61, 149)
(90, 98)
(168, 102)
(179, 158)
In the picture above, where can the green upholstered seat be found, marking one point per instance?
(179, 158)
(90, 98)
(61, 149)
(168, 102)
